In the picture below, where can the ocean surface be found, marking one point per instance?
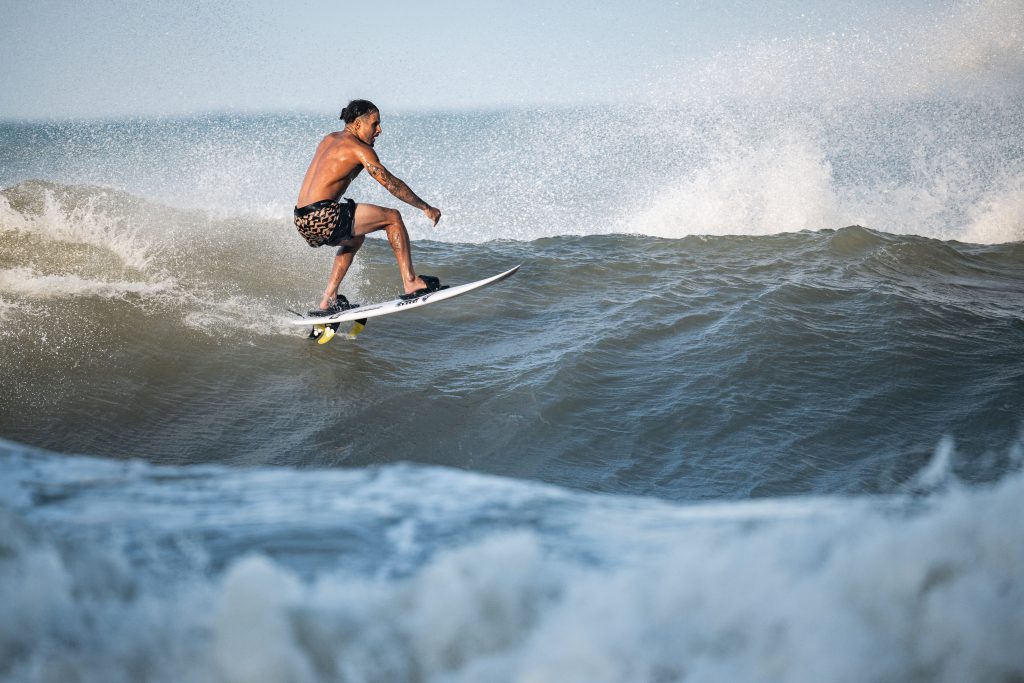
(752, 409)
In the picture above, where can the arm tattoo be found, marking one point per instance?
(395, 186)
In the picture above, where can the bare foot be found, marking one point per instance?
(416, 284)
(327, 302)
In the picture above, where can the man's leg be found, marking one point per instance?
(342, 261)
(370, 218)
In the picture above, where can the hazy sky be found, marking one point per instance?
(85, 58)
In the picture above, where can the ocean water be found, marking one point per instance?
(752, 409)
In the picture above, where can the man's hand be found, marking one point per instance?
(433, 214)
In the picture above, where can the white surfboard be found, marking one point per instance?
(324, 328)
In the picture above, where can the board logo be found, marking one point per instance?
(406, 302)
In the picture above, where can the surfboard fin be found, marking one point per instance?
(357, 327)
(324, 333)
(327, 335)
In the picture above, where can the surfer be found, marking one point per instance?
(322, 219)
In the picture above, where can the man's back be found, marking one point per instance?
(335, 164)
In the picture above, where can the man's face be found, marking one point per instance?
(367, 127)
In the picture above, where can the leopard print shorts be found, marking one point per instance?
(325, 222)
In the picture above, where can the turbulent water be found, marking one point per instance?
(750, 411)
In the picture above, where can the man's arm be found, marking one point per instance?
(395, 185)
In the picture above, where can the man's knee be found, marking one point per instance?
(394, 216)
(351, 246)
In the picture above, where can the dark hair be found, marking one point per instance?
(357, 108)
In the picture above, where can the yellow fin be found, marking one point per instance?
(357, 327)
(326, 335)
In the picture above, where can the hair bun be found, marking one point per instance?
(357, 108)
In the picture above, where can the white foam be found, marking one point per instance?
(928, 103)
(999, 216)
(81, 224)
(7, 309)
(867, 591)
(939, 469)
(753, 181)
(205, 313)
(255, 639)
(27, 282)
(74, 612)
(781, 185)
(213, 316)
(869, 598)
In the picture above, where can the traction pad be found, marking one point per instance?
(433, 285)
(340, 304)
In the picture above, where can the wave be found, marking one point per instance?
(496, 580)
(699, 367)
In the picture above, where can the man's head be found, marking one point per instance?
(357, 108)
(362, 118)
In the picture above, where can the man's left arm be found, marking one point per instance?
(396, 186)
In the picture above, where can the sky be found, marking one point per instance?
(112, 58)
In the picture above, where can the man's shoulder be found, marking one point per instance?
(342, 142)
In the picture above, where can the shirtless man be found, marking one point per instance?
(321, 219)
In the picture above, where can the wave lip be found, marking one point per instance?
(77, 219)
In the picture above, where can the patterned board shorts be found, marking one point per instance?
(325, 222)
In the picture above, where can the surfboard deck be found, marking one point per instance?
(329, 325)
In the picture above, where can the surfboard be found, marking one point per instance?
(325, 328)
